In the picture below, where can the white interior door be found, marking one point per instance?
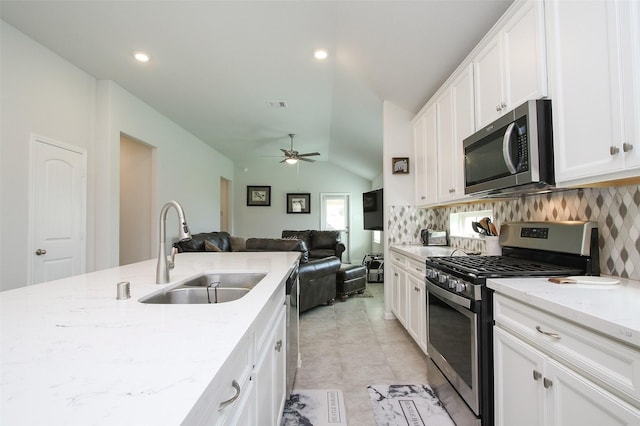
(58, 211)
(334, 216)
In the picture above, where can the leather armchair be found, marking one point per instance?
(317, 276)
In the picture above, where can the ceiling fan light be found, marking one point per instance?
(291, 160)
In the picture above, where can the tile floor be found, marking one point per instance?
(350, 345)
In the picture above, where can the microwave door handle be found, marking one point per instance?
(506, 145)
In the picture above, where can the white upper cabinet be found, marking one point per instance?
(595, 86)
(510, 68)
(455, 122)
(425, 153)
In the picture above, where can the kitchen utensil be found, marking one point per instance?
(493, 229)
(592, 280)
(484, 224)
(477, 228)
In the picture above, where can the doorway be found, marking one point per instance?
(136, 197)
(334, 216)
(58, 210)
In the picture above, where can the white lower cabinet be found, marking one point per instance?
(250, 388)
(409, 300)
(537, 382)
(270, 373)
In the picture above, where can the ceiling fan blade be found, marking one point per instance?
(306, 159)
(309, 154)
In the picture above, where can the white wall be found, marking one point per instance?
(397, 142)
(313, 178)
(44, 94)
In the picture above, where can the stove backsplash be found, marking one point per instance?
(616, 209)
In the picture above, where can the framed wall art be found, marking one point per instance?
(400, 165)
(299, 203)
(258, 195)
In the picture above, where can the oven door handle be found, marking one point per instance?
(447, 295)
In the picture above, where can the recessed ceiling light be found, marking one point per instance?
(320, 54)
(141, 56)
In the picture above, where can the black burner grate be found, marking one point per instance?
(501, 266)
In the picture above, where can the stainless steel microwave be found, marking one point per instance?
(514, 154)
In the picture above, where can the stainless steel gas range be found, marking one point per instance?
(459, 306)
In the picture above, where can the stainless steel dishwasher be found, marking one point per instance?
(293, 328)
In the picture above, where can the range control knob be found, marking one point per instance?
(461, 287)
(453, 283)
(431, 273)
(443, 278)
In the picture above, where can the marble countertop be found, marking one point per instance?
(612, 310)
(73, 354)
(420, 252)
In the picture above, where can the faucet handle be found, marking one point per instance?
(171, 259)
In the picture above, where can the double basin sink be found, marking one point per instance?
(207, 288)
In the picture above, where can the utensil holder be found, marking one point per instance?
(492, 245)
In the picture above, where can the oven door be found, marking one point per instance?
(453, 341)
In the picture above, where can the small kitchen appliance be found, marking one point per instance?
(432, 237)
(514, 154)
(460, 313)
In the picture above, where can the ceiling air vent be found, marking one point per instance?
(276, 104)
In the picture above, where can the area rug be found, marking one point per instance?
(314, 408)
(412, 405)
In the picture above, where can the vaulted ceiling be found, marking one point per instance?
(217, 65)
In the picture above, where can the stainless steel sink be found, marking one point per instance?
(207, 288)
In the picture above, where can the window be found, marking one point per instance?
(460, 223)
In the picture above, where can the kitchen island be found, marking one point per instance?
(73, 354)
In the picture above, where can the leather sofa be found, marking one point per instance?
(317, 276)
(320, 243)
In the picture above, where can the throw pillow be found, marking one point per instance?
(237, 243)
(209, 246)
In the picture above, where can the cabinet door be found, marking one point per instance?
(402, 297)
(269, 373)
(629, 15)
(518, 372)
(488, 78)
(573, 400)
(425, 138)
(584, 78)
(455, 121)
(524, 55)
(416, 312)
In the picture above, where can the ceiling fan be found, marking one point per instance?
(292, 156)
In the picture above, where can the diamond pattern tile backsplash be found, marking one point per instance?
(614, 208)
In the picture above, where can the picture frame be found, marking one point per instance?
(258, 195)
(400, 165)
(298, 203)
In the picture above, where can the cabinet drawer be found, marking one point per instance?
(398, 260)
(606, 361)
(418, 269)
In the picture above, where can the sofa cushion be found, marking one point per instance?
(238, 243)
(276, 244)
(301, 235)
(318, 254)
(196, 243)
(324, 240)
(209, 246)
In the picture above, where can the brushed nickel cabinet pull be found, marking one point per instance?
(547, 383)
(626, 147)
(547, 333)
(614, 150)
(536, 375)
(231, 400)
